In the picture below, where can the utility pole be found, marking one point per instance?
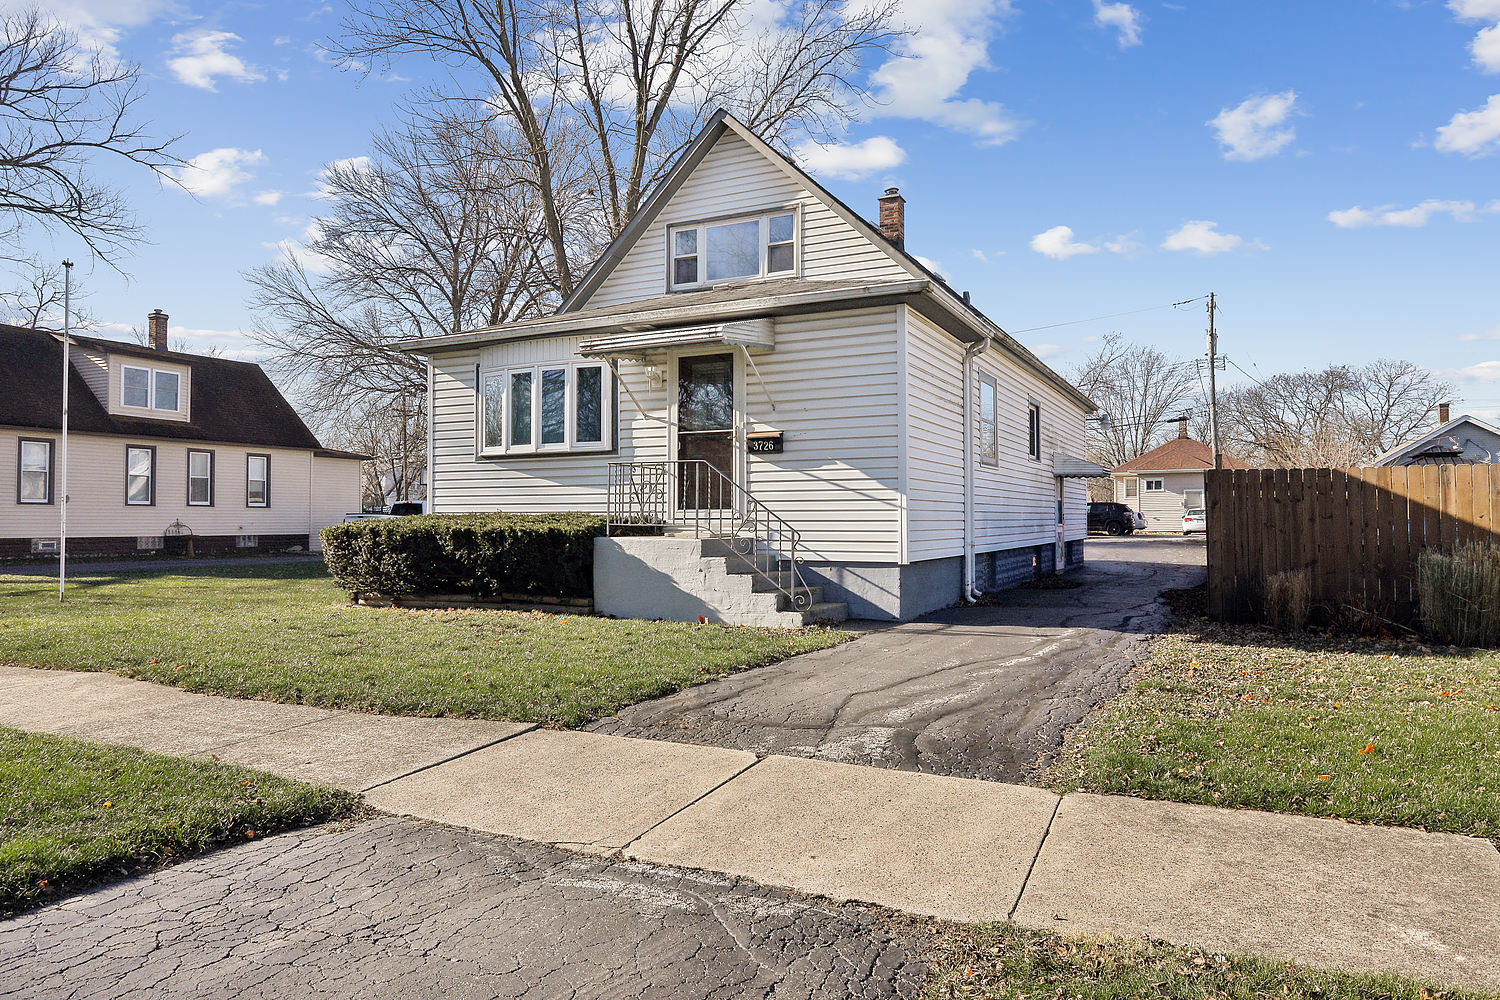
(1213, 400)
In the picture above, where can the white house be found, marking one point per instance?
(1462, 440)
(1167, 481)
(160, 444)
(759, 370)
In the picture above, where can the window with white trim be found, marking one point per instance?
(145, 388)
(540, 409)
(734, 249)
(140, 475)
(257, 480)
(989, 429)
(1130, 485)
(200, 478)
(35, 481)
(1154, 485)
(1034, 431)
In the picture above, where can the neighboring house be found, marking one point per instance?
(158, 442)
(1463, 440)
(1167, 481)
(750, 359)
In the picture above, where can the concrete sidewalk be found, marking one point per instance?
(1316, 891)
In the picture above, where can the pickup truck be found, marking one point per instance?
(403, 509)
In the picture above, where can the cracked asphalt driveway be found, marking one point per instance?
(389, 908)
(980, 692)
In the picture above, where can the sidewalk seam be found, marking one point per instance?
(688, 805)
(448, 760)
(1026, 882)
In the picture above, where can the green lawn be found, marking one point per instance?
(283, 632)
(993, 962)
(73, 813)
(1393, 734)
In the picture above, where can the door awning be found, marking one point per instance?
(751, 334)
(1068, 467)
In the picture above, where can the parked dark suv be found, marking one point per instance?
(1111, 518)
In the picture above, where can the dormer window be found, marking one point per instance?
(150, 388)
(735, 249)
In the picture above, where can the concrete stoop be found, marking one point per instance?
(685, 578)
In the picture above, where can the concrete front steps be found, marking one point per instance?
(681, 577)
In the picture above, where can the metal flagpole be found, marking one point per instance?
(62, 506)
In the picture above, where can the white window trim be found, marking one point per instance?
(150, 500)
(265, 481)
(21, 469)
(570, 444)
(151, 387)
(210, 477)
(764, 218)
(1033, 406)
(1160, 487)
(989, 451)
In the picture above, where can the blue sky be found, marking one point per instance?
(1330, 169)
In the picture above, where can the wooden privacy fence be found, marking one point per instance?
(1356, 531)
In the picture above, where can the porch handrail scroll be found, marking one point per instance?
(651, 494)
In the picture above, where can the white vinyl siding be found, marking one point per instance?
(1163, 508)
(832, 377)
(733, 179)
(1015, 500)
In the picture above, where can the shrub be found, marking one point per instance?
(1287, 599)
(480, 555)
(1459, 594)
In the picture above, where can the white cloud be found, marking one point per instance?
(1121, 17)
(1058, 243)
(949, 41)
(1416, 216)
(1045, 351)
(1256, 127)
(1485, 371)
(851, 161)
(266, 197)
(200, 57)
(100, 23)
(219, 172)
(1493, 333)
(1485, 49)
(1473, 133)
(936, 267)
(1475, 10)
(295, 250)
(1202, 237)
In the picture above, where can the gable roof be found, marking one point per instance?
(1409, 448)
(232, 402)
(1181, 454)
(956, 313)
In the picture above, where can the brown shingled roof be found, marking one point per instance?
(1178, 454)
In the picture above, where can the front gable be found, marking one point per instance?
(732, 175)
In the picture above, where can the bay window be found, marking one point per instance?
(35, 483)
(561, 407)
(756, 247)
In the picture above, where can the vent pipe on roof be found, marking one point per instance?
(157, 324)
(893, 217)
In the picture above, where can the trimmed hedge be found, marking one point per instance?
(480, 555)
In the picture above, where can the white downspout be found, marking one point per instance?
(967, 413)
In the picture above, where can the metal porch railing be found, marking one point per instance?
(694, 495)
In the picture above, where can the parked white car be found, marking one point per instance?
(1195, 520)
(1139, 519)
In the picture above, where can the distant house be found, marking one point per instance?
(751, 360)
(159, 443)
(1462, 440)
(1168, 480)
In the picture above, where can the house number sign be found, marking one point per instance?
(765, 443)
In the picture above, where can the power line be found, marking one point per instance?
(1095, 319)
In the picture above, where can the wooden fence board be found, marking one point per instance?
(1358, 532)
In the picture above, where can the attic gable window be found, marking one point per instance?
(706, 253)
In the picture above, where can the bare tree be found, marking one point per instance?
(1338, 417)
(35, 299)
(1141, 388)
(60, 109)
(622, 85)
(429, 237)
(396, 439)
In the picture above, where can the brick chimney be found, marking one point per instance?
(157, 324)
(893, 217)
(1442, 413)
(1182, 427)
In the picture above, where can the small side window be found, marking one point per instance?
(781, 246)
(1153, 485)
(492, 420)
(257, 480)
(989, 431)
(35, 481)
(1034, 431)
(140, 476)
(685, 257)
